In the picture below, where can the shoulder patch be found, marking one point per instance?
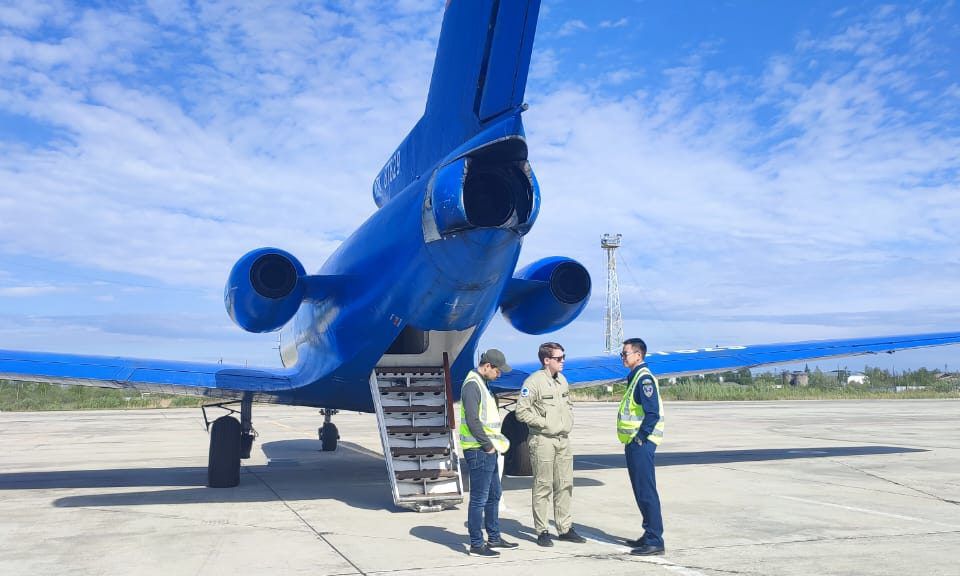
(524, 392)
(648, 390)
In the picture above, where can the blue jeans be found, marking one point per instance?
(640, 465)
(484, 507)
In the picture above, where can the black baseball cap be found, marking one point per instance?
(496, 359)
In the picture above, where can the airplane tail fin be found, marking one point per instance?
(480, 75)
(482, 60)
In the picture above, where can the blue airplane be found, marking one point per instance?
(420, 280)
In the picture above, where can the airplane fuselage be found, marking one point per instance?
(393, 275)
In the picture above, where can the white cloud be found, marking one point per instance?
(814, 199)
(194, 163)
(620, 23)
(571, 27)
(839, 219)
(29, 291)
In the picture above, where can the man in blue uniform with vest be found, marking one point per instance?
(482, 441)
(640, 429)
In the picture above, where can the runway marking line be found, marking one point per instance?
(599, 464)
(679, 569)
(868, 511)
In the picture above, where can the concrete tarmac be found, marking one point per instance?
(804, 487)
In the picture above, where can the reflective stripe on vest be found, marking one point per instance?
(489, 417)
(630, 415)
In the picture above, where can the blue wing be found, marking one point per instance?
(215, 380)
(594, 370)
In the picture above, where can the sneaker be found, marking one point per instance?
(572, 536)
(544, 540)
(484, 550)
(501, 543)
(648, 550)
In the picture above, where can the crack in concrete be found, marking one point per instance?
(818, 540)
(140, 513)
(319, 534)
(894, 482)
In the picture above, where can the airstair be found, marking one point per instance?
(414, 408)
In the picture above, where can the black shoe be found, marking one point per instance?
(648, 550)
(572, 536)
(484, 550)
(544, 540)
(501, 543)
(638, 543)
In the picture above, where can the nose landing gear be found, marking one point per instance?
(328, 433)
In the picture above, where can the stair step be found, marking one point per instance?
(413, 389)
(431, 496)
(404, 370)
(425, 474)
(422, 409)
(417, 429)
(437, 451)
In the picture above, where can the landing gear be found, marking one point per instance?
(328, 433)
(230, 441)
(223, 463)
(516, 462)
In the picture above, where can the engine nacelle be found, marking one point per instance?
(491, 190)
(546, 295)
(264, 290)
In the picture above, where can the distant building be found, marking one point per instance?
(796, 378)
(908, 388)
(858, 378)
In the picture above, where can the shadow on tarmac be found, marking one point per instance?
(616, 460)
(354, 475)
(510, 529)
(296, 470)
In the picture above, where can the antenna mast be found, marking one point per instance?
(613, 322)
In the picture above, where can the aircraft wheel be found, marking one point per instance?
(516, 462)
(223, 464)
(329, 437)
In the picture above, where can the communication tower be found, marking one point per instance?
(613, 323)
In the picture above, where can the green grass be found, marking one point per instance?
(735, 386)
(744, 386)
(36, 396)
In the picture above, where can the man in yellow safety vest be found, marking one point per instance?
(640, 429)
(482, 441)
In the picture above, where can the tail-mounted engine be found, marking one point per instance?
(265, 289)
(546, 295)
(492, 188)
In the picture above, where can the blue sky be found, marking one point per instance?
(779, 170)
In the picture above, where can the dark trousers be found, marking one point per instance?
(484, 507)
(640, 464)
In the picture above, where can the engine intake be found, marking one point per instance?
(489, 190)
(264, 290)
(546, 295)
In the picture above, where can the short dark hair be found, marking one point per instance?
(637, 344)
(546, 350)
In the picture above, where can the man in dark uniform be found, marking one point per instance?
(640, 429)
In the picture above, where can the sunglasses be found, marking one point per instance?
(558, 358)
(625, 354)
